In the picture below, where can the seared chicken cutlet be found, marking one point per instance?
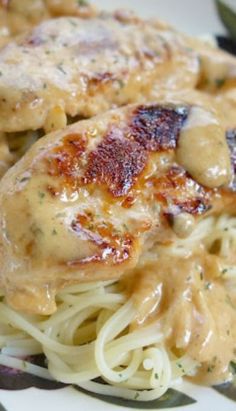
(88, 202)
(73, 66)
(70, 67)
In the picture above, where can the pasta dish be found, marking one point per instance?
(117, 200)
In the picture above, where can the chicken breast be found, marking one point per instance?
(88, 202)
(74, 66)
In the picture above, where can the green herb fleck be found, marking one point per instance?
(24, 179)
(73, 23)
(156, 375)
(36, 230)
(121, 83)
(41, 194)
(60, 67)
(219, 82)
(210, 368)
(24, 364)
(201, 275)
(54, 232)
(233, 367)
(229, 301)
(82, 3)
(60, 214)
(224, 271)
(207, 285)
(136, 395)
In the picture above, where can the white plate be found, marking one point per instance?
(195, 17)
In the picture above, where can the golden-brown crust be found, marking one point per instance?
(63, 161)
(157, 128)
(113, 248)
(87, 67)
(116, 162)
(95, 194)
(178, 192)
(122, 155)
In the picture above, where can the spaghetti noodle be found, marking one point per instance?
(94, 332)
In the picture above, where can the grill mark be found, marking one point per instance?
(116, 162)
(157, 128)
(231, 140)
(178, 192)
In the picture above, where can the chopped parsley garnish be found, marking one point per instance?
(41, 194)
(24, 179)
(233, 367)
(82, 3)
(207, 285)
(121, 83)
(60, 67)
(219, 82)
(224, 271)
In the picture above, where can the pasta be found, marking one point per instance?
(93, 332)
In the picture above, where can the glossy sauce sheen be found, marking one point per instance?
(91, 197)
(198, 314)
(86, 66)
(94, 201)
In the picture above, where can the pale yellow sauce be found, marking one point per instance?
(197, 312)
(202, 149)
(183, 224)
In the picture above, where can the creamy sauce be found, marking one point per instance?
(202, 149)
(183, 224)
(56, 231)
(87, 66)
(197, 311)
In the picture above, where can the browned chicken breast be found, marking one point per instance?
(70, 67)
(88, 202)
(73, 66)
